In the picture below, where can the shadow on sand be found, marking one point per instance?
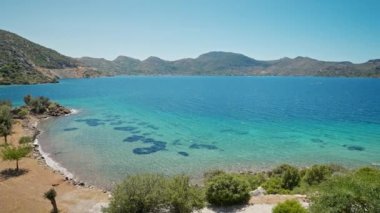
(9, 173)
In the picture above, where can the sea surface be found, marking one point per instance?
(172, 125)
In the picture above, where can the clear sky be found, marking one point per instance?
(171, 29)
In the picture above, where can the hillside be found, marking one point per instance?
(25, 62)
(225, 63)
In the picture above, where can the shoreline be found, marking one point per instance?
(53, 165)
(24, 192)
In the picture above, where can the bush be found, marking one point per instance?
(155, 193)
(225, 189)
(317, 174)
(25, 139)
(254, 180)
(139, 193)
(22, 113)
(290, 176)
(274, 186)
(289, 206)
(182, 197)
(212, 173)
(355, 192)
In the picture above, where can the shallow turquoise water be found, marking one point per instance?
(172, 125)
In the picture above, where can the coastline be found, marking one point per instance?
(55, 166)
(40, 173)
(75, 195)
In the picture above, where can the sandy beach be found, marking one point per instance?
(24, 193)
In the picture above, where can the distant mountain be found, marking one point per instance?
(225, 63)
(25, 62)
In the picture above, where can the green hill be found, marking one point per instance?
(226, 63)
(21, 61)
(25, 62)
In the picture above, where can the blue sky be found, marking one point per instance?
(268, 29)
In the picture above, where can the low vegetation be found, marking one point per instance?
(331, 189)
(357, 191)
(289, 206)
(25, 140)
(227, 189)
(156, 193)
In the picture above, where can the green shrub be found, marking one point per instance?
(274, 186)
(355, 192)
(52, 106)
(182, 197)
(290, 176)
(254, 180)
(25, 139)
(156, 193)
(317, 174)
(139, 193)
(289, 206)
(22, 113)
(226, 189)
(212, 173)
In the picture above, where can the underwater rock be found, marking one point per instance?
(202, 146)
(157, 146)
(91, 121)
(355, 148)
(125, 128)
(70, 129)
(133, 138)
(183, 153)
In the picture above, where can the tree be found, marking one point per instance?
(15, 153)
(50, 195)
(5, 121)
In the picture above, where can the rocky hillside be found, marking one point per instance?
(25, 62)
(225, 63)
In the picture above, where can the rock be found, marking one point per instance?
(81, 184)
(258, 192)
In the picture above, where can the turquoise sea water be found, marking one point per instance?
(171, 125)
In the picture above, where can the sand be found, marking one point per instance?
(24, 193)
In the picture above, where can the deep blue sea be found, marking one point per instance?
(172, 125)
